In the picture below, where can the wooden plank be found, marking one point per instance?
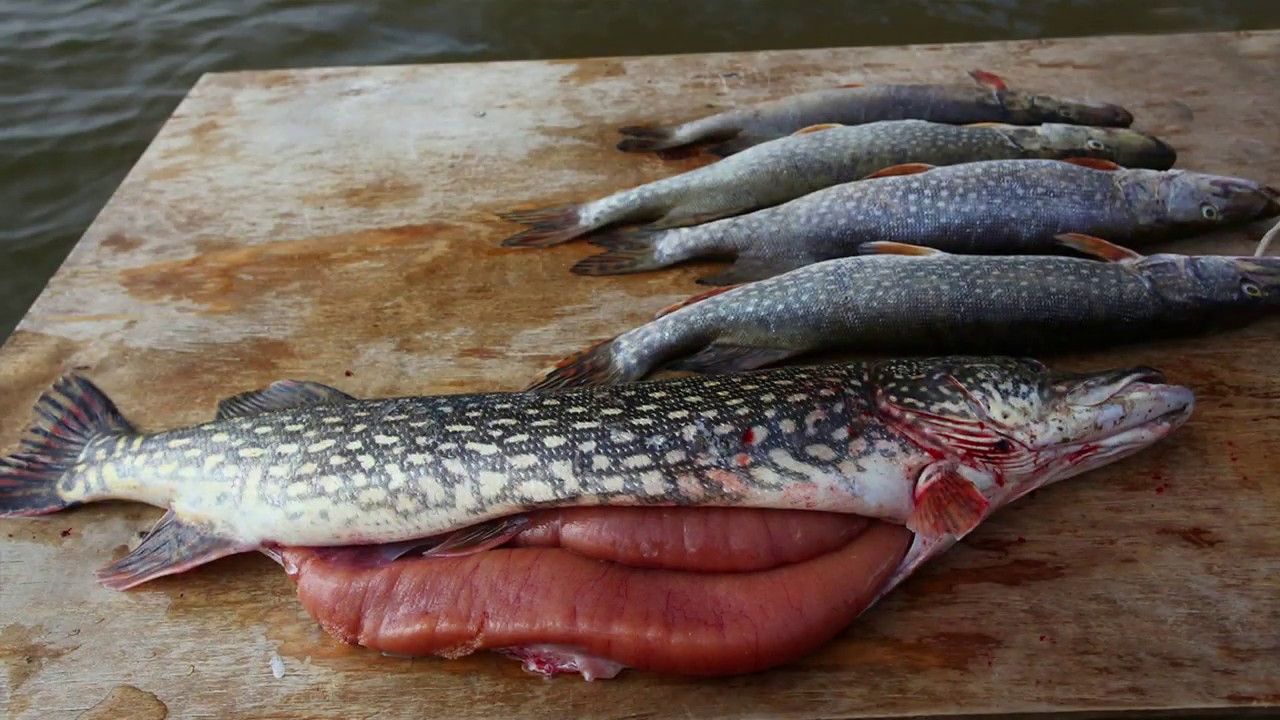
(337, 225)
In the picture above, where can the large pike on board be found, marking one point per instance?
(991, 207)
(814, 158)
(898, 298)
(915, 453)
(988, 99)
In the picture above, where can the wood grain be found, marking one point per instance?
(337, 225)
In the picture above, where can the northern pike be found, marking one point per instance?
(897, 298)
(819, 157)
(988, 99)
(990, 207)
(933, 444)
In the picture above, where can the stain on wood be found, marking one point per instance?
(339, 225)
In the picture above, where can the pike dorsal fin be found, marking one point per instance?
(280, 395)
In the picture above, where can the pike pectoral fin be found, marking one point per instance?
(885, 247)
(902, 169)
(478, 538)
(946, 503)
(279, 396)
(1097, 247)
(721, 357)
(173, 546)
(1094, 163)
(988, 79)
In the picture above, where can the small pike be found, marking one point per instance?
(934, 444)
(815, 158)
(909, 299)
(987, 100)
(991, 207)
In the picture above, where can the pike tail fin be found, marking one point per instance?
(596, 365)
(629, 250)
(75, 412)
(553, 225)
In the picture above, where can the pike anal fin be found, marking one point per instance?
(173, 546)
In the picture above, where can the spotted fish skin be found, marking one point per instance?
(742, 127)
(396, 469)
(990, 207)
(337, 471)
(938, 303)
(787, 168)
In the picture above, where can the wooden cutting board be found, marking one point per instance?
(337, 225)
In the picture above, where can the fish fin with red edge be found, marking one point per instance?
(593, 366)
(902, 169)
(74, 412)
(988, 79)
(888, 247)
(816, 128)
(1097, 247)
(1094, 163)
(945, 502)
(173, 546)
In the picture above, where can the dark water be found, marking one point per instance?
(85, 84)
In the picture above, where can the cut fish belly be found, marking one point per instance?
(545, 603)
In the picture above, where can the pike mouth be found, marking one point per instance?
(1149, 411)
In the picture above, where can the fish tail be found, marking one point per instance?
(630, 250)
(650, 138)
(75, 412)
(596, 365)
(659, 138)
(551, 225)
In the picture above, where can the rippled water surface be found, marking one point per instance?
(85, 84)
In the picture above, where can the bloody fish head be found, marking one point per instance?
(1011, 425)
(1130, 148)
(1200, 200)
(1079, 112)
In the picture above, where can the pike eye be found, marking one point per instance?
(1094, 144)
(1209, 212)
(1250, 289)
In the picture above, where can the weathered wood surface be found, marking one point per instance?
(337, 225)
